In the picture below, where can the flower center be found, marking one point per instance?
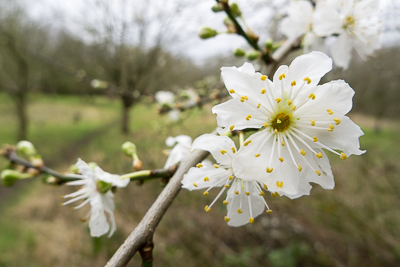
(281, 122)
(349, 22)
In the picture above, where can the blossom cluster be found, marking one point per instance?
(295, 119)
(343, 25)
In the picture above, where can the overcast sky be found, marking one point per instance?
(72, 14)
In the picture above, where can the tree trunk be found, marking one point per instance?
(127, 103)
(21, 106)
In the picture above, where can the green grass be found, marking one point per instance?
(355, 224)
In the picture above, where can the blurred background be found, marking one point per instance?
(78, 78)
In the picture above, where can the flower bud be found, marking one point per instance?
(253, 55)
(230, 25)
(217, 8)
(26, 148)
(235, 10)
(207, 32)
(129, 148)
(269, 44)
(239, 52)
(137, 164)
(8, 177)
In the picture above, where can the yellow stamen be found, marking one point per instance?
(242, 99)
(232, 91)
(245, 97)
(279, 184)
(259, 104)
(237, 192)
(263, 91)
(319, 155)
(307, 79)
(293, 108)
(247, 193)
(269, 170)
(206, 179)
(227, 219)
(299, 167)
(251, 220)
(289, 102)
(276, 131)
(247, 143)
(275, 194)
(205, 193)
(329, 130)
(331, 126)
(216, 166)
(265, 124)
(302, 152)
(293, 83)
(233, 150)
(329, 111)
(283, 143)
(315, 139)
(239, 210)
(231, 128)
(207, 208)
(312, 122)
(194, 184)
(248, 117)
(337, 121)
(278, 121)
(230, 177)
(312, 96)
(281, 159)
(199, 165)
(225, 202)
(265, 186)
(264, 77)
(262, 193)
(343, 156)
(256, 155)
(278, 100)
(223, 151)
(318, 172)
(227, 185)
(269, 211)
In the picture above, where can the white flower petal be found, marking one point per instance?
(222, 148)
(85, 169)
(205, 177)
(341, 50)
(242, 201)
(98, 221)
(326, 21)
(113, 179)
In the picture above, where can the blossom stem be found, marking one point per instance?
(241, 138)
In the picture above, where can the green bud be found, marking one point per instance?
(235, 10)
(103, 187)
(207, 32)
(217, 8)
(253, 55)
(269, 44)
(129, 148)
(26, 148)
(8, 177)
(73, 169)
(230, 25)
(239, 52)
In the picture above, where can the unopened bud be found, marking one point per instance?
(129, 148)
(269, 44)
(235, 10)
(26, 148)
(73, 169)
(8, 177)
(37, 161)
(239, 52)
(207, 32)
(137, 164)
(253, 55)
(217, 8)
(230, 25)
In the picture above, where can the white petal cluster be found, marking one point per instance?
(101, 215)
(182, 144)
(244, 198)
(349, 24)
(297, 120)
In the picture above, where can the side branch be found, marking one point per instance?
(143, 233)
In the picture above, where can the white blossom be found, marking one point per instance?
(182, 145)
(95, 190)
(356, 24)
(165, 98)
(244, 198)
(298, 119)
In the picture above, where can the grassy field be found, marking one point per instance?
(356, 224)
